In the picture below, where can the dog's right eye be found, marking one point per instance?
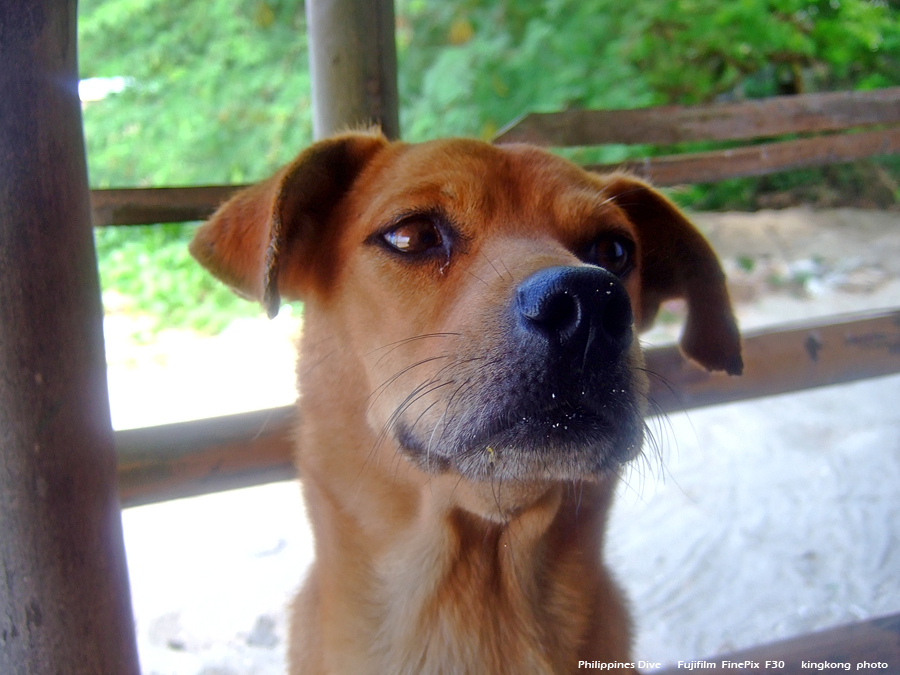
(612, 252)
(414, 235)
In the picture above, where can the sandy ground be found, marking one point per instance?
(751, 522)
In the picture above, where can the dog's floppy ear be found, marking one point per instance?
(677, 262)
(265, 228)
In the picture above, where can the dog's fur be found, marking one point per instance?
(458, 446)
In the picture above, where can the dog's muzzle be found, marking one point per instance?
(553, 394)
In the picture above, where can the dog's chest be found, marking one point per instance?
(462, 612)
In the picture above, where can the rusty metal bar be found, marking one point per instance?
(65, 604)
(664, 125)
(189, 458)
(758, 160)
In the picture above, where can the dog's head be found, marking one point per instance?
(480, 303)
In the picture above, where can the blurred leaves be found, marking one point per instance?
(147, 270)
(469, 67)
(694, 51)
(220, 89)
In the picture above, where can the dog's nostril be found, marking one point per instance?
(617, 316)
(557, 312)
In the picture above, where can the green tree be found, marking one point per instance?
(470, 67)
(694, 51)
(218, 91)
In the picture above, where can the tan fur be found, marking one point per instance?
(429, 571)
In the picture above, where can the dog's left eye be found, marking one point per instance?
(613, 253)
(415, 235)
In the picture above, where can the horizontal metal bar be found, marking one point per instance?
(209, 455)
(758, 160)
(744, 120)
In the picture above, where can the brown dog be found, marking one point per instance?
(470, 385)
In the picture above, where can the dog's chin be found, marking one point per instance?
(553, 446)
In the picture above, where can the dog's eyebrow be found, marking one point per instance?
(429, 191)
(596, 214)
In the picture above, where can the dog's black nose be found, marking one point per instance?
(577, 309)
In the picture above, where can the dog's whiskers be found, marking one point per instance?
(391, 346)
(420, 391)
(475, 276)
(669, 385)
(316, 364)
(415, 395)
(617, 198)
(411, 398)
(381, 388)
(500, 260)
(578, 502)
(434, 429)
(495, 492)
(493, 267)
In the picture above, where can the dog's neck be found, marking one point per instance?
(494, 585)
(523, 594)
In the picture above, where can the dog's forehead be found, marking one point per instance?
(518, 185)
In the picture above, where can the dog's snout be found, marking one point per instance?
(578, 308)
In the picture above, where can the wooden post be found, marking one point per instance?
(353, 63)
(64, 598)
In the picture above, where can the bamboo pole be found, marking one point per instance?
(64, 597)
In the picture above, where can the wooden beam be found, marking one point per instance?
(189, 458)
(65, 605)
(146, 206)
(207, 455)
(353, 64)
(808, 355)
(744, 120)
(869, 647)
(758, 160)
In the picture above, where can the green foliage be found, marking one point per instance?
(218, 90)
(470, 67)
(694, 51)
